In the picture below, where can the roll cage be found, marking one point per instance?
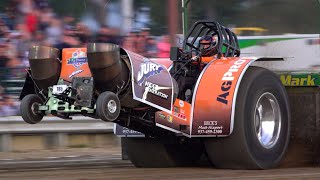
(227, 42)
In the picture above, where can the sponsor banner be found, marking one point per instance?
(215, 96)
(300, 79)
(152, 83)
(74, 63)
(126, 132)
(301, 52)
(178, 119)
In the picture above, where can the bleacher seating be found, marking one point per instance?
(12, 80)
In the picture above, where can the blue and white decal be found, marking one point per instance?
(151, 82)
(78, 59)
(148, 69)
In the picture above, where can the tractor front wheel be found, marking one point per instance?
(108, 106)
(29, 109)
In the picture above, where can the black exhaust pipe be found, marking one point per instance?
(109, 72)
(45, 66)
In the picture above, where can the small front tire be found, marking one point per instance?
(108, 106)
(29, 109)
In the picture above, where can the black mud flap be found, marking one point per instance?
(28, 87)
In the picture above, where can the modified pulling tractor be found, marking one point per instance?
(221, 105)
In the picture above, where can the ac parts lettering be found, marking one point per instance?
(228, 76)
(227, 80)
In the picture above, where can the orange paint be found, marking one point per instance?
(207, 59)
(74, 64)
(180, 115)
(214, 96)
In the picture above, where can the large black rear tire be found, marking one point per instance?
(253, 144)
(28, 108)
(153, 153)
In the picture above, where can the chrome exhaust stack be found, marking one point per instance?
(45, 66)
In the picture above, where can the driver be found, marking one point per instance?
(208, 48)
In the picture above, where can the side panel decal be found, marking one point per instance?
(151, 82)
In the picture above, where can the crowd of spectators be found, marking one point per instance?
(146, 45)
(33, 22)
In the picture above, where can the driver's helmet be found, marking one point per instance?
(208, 46)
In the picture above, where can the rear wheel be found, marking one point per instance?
(261, 126)
(29, 109)
(152, 153)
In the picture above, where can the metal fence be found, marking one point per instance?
(52, 132)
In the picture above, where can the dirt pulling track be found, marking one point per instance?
(107, 164)
(115, 168)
